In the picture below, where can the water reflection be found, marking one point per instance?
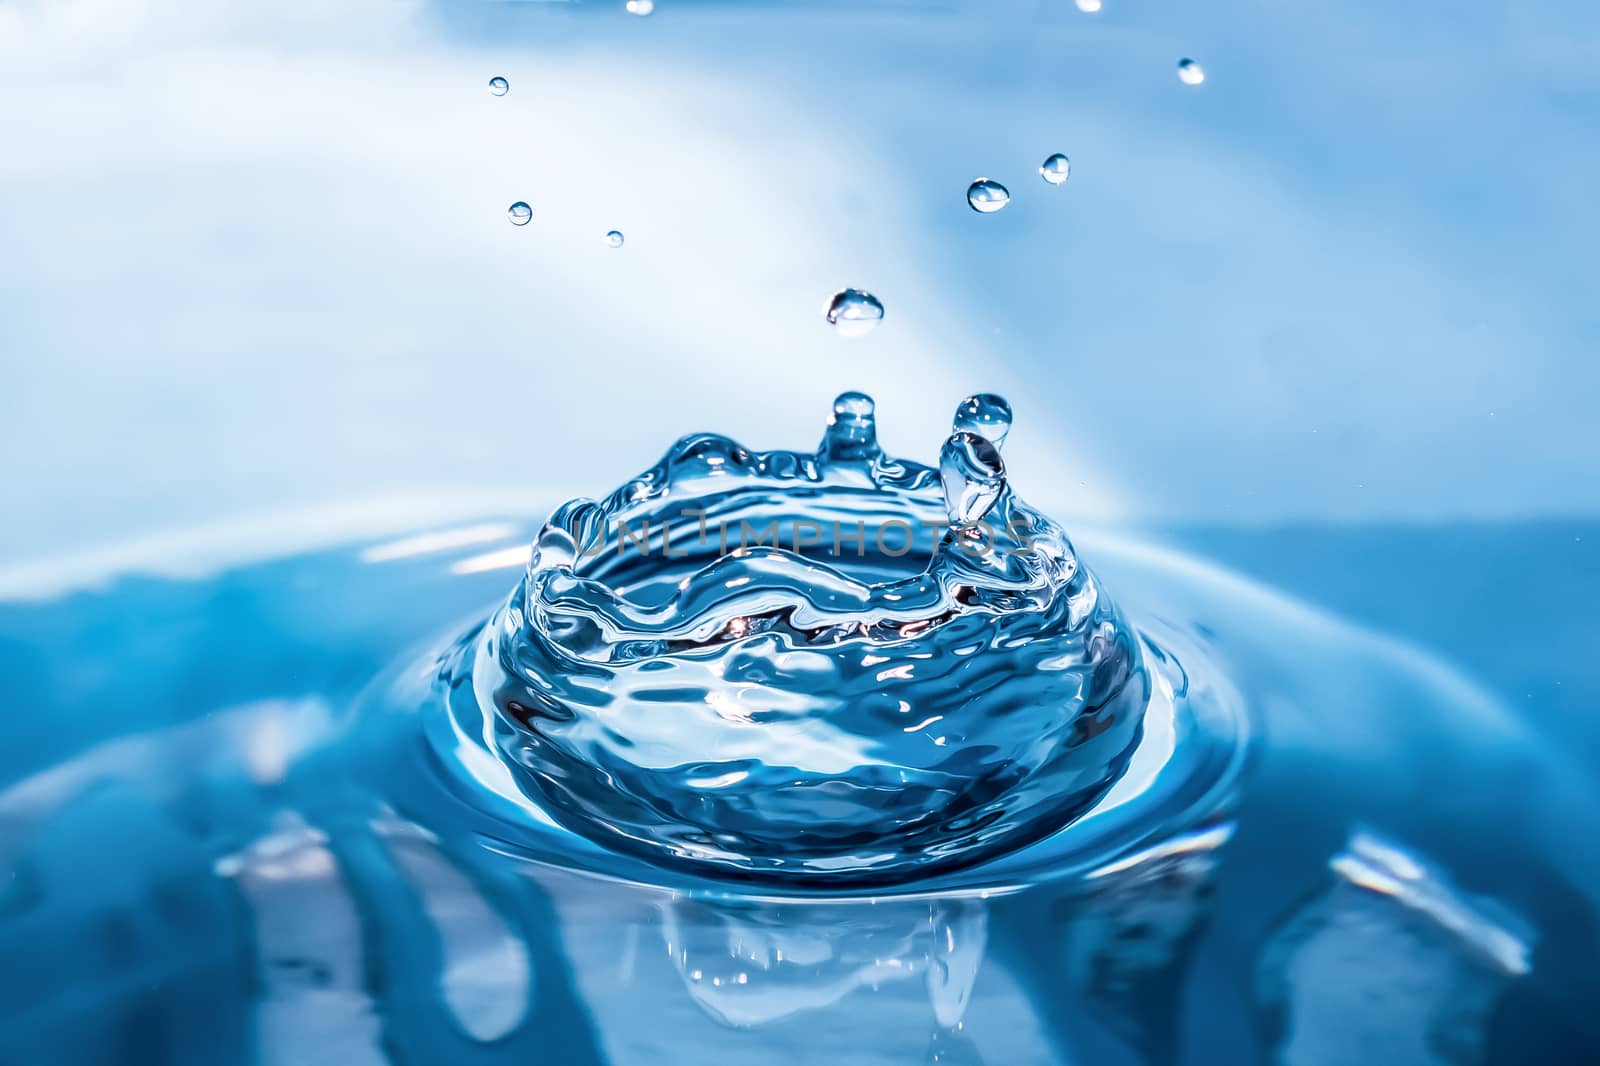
(747, 966)
(1389, 963)
(1105, 963)
(313, 1005)
(486, 979)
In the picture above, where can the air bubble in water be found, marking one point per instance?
(853, 312)
(614, 238)
(499, 86)
(987, 197)
(519, 213)
(987, 415)
(641, 7)
(1055, 169)
(1189, 72)
(972, 475)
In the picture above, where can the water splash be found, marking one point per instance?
(828, 665)
(973, 476)
(499, 86)
(987, 415)
(987, 196)
(519, 213)
(853, 312)
(1055, 169)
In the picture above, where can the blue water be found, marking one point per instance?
(339, 807)
(1281, 749)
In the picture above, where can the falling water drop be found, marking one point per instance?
(614, 238)
(987, 197)
(987, 415)
(641, 7)
(972, 474)
(853, 312)
(499, 86)
(1190, 72)
(519, 213)
(1089, 7)
(1055, 169)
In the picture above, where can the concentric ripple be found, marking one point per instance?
(828, 667)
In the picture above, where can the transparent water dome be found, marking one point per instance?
(821, 666)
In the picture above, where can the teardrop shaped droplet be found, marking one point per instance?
(972, 475)
(987, 415)
(852, 430)
(986, 196)
(519, 213)
(1055, 169)
(499, 86)
(614, 238)
(1190, 72)
(853, 312)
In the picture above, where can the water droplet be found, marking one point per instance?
(987, 197)
(852, 431)
(1054, 170)
(1089, 7)
(853, 405)
(641, 7)
(853, 312)
(987, 415)
(614, 238)
(972, 474)
(499, 86)
(1189, 72)
(519, 213)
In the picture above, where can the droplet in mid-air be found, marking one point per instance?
(987, 197)
(1055, 169)
(853, 312)
(1089, 7)
(519, 213)
(972, 475)
(1189, 72)
(641, 7)
(499, 86)
(987, 415)
(614, 238)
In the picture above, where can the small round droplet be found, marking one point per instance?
(499, 86)
(987, 415)
(1190, 72)
(519, 213)
(853, 406)
(987, 197)
(972, 475)
(1055, 169)
(852, 431)
(853, 312)
(1089, 7)
(641, 7)
(614, 238)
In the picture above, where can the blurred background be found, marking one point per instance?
(1330, 317)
